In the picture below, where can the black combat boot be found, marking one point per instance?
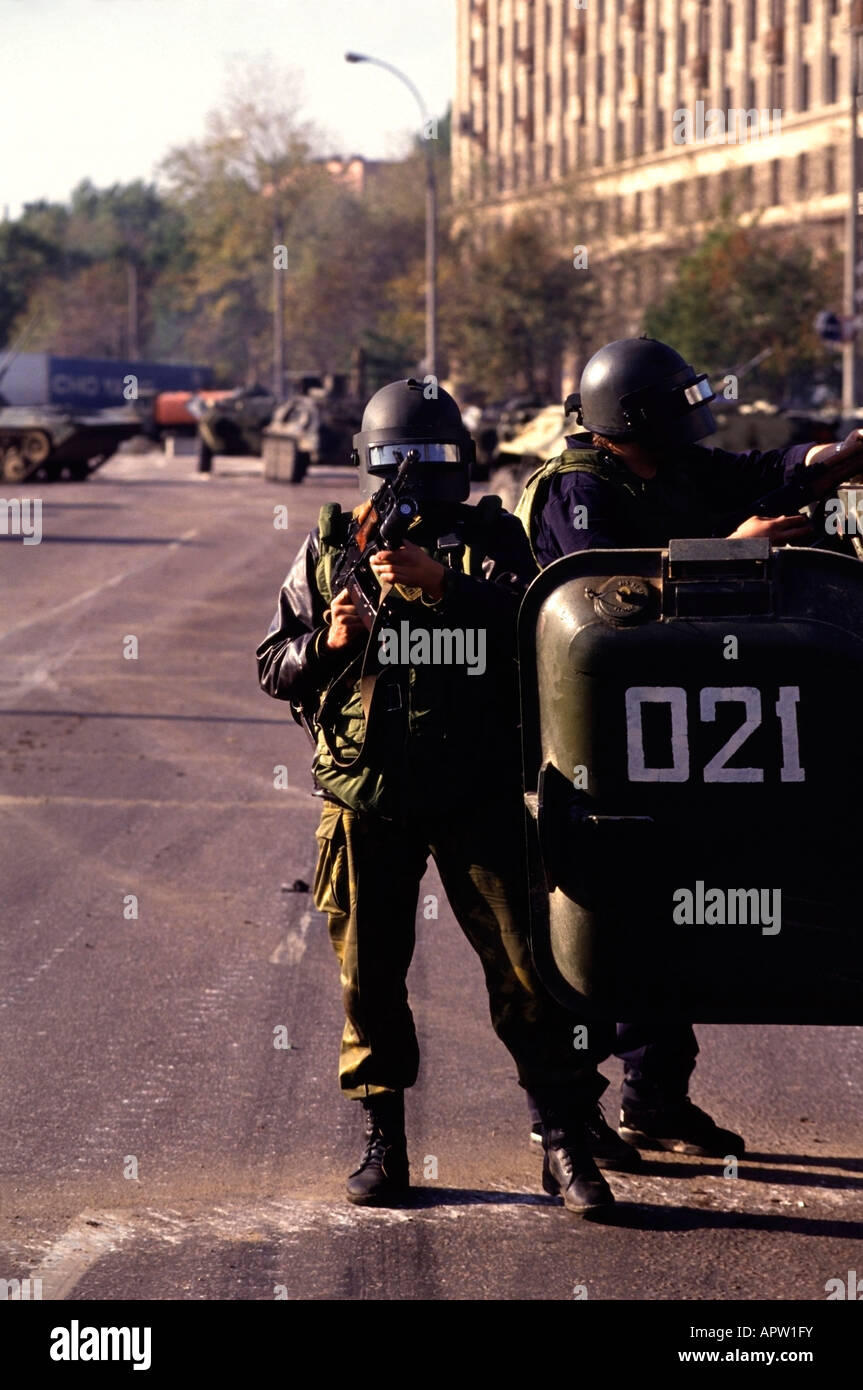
(383, 1177)
(568, 1166)
(678, 1128)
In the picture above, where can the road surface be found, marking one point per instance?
(157, 1145)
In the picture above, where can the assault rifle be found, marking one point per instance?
(781, 501)
(381, 525)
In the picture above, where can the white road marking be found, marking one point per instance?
(14, 993)
(92, 1235)
(99, 588)
(293, 948)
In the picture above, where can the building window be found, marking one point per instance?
(600, 11)
(638, 133)
(833, 79)
(749, 186)
(834, 6)
(679, 205)
(660, 51)
(619, 139)
(600, 145)
(805, 86)
(681, 43)
(501, 35)
(722, 190)
(829, 170)
(805, 12)
(728, 27)
(620, 56)
(658, 201)
(775, 187)
(661, 118)
(778, 85)
(600, 74)
(802, 175)
(636, 213)
(547, 93)
(750, 93)
(751, 20)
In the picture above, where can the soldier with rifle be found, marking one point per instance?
(421, 758)
(637, 477)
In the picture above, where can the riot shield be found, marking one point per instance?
(692, 770)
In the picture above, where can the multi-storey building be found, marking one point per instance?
(574, 107)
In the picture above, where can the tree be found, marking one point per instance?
(514, 304)
(743, 291)
(244, 189)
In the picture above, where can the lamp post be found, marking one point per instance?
(431, 213)
(852, 280)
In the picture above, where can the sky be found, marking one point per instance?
(102, 89)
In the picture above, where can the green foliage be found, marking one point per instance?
(515, 304)
(743, 291)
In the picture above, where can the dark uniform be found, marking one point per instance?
(640, 390)
(435, 770)
(451, 753)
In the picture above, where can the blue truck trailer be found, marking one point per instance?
(93, 383)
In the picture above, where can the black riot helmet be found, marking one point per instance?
(421, 417)
(640, 389)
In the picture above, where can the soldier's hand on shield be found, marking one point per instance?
(781, 530)
(346, 625)
(843, 460)
(411, 566)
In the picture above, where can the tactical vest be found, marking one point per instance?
(651, 510)
(360, 753)
(593, 461)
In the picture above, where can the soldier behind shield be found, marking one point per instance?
(636, 477)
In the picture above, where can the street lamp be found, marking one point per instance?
(431, 213)
(852, 279)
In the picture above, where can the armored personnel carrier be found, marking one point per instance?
(312, 428)
(51, 440)
(232, 424)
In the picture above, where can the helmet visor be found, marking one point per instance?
(390, 456)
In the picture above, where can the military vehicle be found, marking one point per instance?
(50, 440)
(688, 718)
(316, 427)
(232, 424)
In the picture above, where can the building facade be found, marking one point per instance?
(632, 123)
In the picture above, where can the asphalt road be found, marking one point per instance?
(156, 1144)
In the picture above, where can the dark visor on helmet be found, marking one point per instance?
(392, 455)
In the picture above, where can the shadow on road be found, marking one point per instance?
(48, 539)
(705, 1168)
(854, 1165)
(643, 1216)
(171, 718)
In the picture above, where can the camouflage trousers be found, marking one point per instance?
(367, 881)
